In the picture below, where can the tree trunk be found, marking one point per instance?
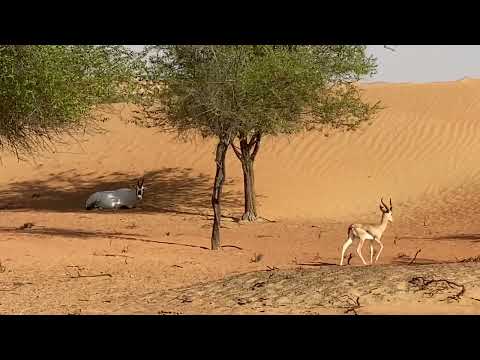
(222, 148)
(247, 158)
(250, 212)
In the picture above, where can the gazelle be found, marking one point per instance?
(372, 232)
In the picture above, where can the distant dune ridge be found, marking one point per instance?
(425, 142)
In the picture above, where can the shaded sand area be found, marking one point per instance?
(421, 151)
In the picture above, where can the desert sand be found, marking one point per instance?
(421, 150)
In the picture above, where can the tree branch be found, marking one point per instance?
(237, 151)
(252, 141)
(257, 146)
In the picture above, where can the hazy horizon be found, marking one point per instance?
(421, 63)
(425, 63)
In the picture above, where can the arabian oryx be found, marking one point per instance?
(116, 199)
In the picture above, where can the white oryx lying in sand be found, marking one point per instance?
(116, 199)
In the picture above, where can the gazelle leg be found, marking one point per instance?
(345, 247)
(371, 253)
(381, 248)
(359, 250)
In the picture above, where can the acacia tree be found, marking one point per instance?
(248, 92)
(48, 90)
(195, 96)
(286, 89)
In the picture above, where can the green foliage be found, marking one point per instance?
(48, 90)
(272, 89)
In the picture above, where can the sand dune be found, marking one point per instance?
(422, 144)
(421, 150)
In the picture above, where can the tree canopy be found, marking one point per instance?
(268, 89)
(46, 90)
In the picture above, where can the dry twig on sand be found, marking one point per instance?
(113, 255)
(272, 268)
(320, 263)
(78, 268)
(413, 260)
(438, 286)
(268, 220)
(28, 225)
(351, 304)
(232, 246)
(89, 276)
(258, 284)
(182, 298)
(162, 312)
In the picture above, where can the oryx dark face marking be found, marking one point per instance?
(140, 189)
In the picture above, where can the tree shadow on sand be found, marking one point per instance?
(407, 260)
(83, 234)
(471, 237)
(169, 190)
(450, 237)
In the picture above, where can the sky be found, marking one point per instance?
(426, 63)
(422, 63)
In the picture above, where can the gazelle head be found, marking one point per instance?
(387, 211)
(139, 188)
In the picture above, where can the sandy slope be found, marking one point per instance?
(421, 150)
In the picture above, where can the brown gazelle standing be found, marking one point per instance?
(372, 232)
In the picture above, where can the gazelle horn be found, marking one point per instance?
(384, 205)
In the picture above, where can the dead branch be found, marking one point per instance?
(320, 263)
(169, 243)
(28, 225)
(272, 221)
(413, 260)
(183, 298)
(423, 284)
(272, 268)
(258, 284)
(114, 255)
(351, 304)
(264, 236)
(89, 276)
(161, 312)
(232, 246)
